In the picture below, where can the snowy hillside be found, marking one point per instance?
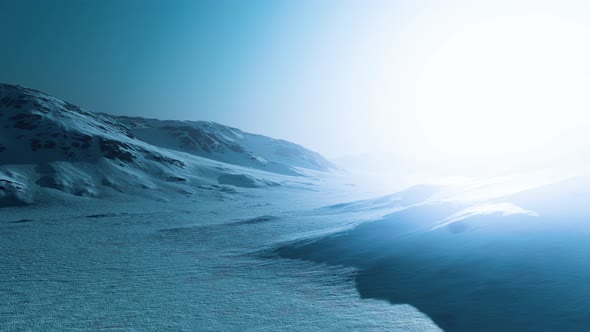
(230, 145)
(52, 144)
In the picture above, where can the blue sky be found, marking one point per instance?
(282, 68)
(435, 82)
(176, 59)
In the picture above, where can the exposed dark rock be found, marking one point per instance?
(26, 121)
(236, 148)
(82, 141)
(36, 144)
(194, 139)
(116, 150)
(49, 145)
(175, 179)
(255, 220)
(167, 160)
(20, 221)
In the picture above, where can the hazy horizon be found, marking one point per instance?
(467, 86)
(450, 191)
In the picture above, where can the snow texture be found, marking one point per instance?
(47, 144)
(131, 224)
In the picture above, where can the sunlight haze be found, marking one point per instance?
(468, 86)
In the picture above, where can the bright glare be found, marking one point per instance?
(508, 91)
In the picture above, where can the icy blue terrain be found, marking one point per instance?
(487, 266)
(130, 224)
(111, 223)
(192, 264)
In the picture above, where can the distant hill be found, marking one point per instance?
(49, 143)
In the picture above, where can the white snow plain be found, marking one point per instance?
(193, 262)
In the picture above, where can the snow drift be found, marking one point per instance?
(516, 263)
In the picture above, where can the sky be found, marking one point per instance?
(459, 85)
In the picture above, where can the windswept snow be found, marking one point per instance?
(515, 263)
(13, 191)
(230, 145)
(504, 209)
(191, 263)
(50, 145)
(118, 223)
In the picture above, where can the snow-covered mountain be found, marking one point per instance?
(230, 145)
(49, 143)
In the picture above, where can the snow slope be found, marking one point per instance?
(513, 263)
(209, 252)
(48, 145)
(226, 144)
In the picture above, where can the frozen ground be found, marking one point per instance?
(318, 254)
(113, 223)
(116, 223)
(517, 262)
(192, 263)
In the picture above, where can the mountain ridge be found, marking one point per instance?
(46, 142)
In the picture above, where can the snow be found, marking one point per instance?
(514, 263)
(115, 223)
(126, 227)
(186, 264)
(226, 144)
(59, 146)
(504, 209)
